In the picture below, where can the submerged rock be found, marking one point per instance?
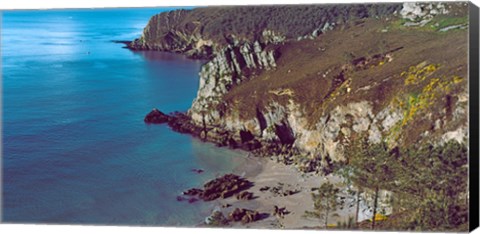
(193, 192)
(180, 198)
(156, 117)
(198, 171)
(192, 200)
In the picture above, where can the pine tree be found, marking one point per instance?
(371, 168)
(433, 180)
(325, 201)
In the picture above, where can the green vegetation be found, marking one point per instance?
(309, 69)
(440, 22)
(435, 25)
(424, 90)
(325, 201)
(433, 185)
(353, 195)
(428, 182)
(291, 21)
(370, 168)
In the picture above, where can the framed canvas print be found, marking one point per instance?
(352, 116)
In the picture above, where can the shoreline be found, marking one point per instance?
(267, 172)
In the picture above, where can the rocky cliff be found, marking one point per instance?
(390, 73)
(204, 32)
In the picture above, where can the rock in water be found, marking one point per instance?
(193, 192)
(198, 171)
(157, 117)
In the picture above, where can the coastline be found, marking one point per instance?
(265, 125)
(267, 172)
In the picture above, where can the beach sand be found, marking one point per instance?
(266, 172)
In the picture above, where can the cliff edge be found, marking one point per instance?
(304, 82)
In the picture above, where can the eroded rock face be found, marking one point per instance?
(233, 57)
(285, 131)
(282, 129)
(231, 66)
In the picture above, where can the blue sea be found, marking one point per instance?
(75, 147)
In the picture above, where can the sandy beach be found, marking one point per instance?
(265, 172)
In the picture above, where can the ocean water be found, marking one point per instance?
(75, 147)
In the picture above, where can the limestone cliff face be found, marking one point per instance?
(230, 66)
(284, 128)
(313, 147)
(419, 12)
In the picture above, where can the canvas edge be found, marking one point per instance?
(474, 119)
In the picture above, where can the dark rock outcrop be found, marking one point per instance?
(265, 188)
(244, 215)
(198, 171)
(222, 187)
(244, 195)
(156, 117)
(178, 121)
(182, 123)
(280, 190)
(193, 192)
(280, 212)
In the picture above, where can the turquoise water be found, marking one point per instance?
(75, 148)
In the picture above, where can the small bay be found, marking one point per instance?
(75, 147)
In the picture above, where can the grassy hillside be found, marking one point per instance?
(181, 29)
(291, 20)
(321, 74)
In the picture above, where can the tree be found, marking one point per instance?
(433, 183)
(429, 181)
(325, 201)
(371, 167)
(354, 194)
